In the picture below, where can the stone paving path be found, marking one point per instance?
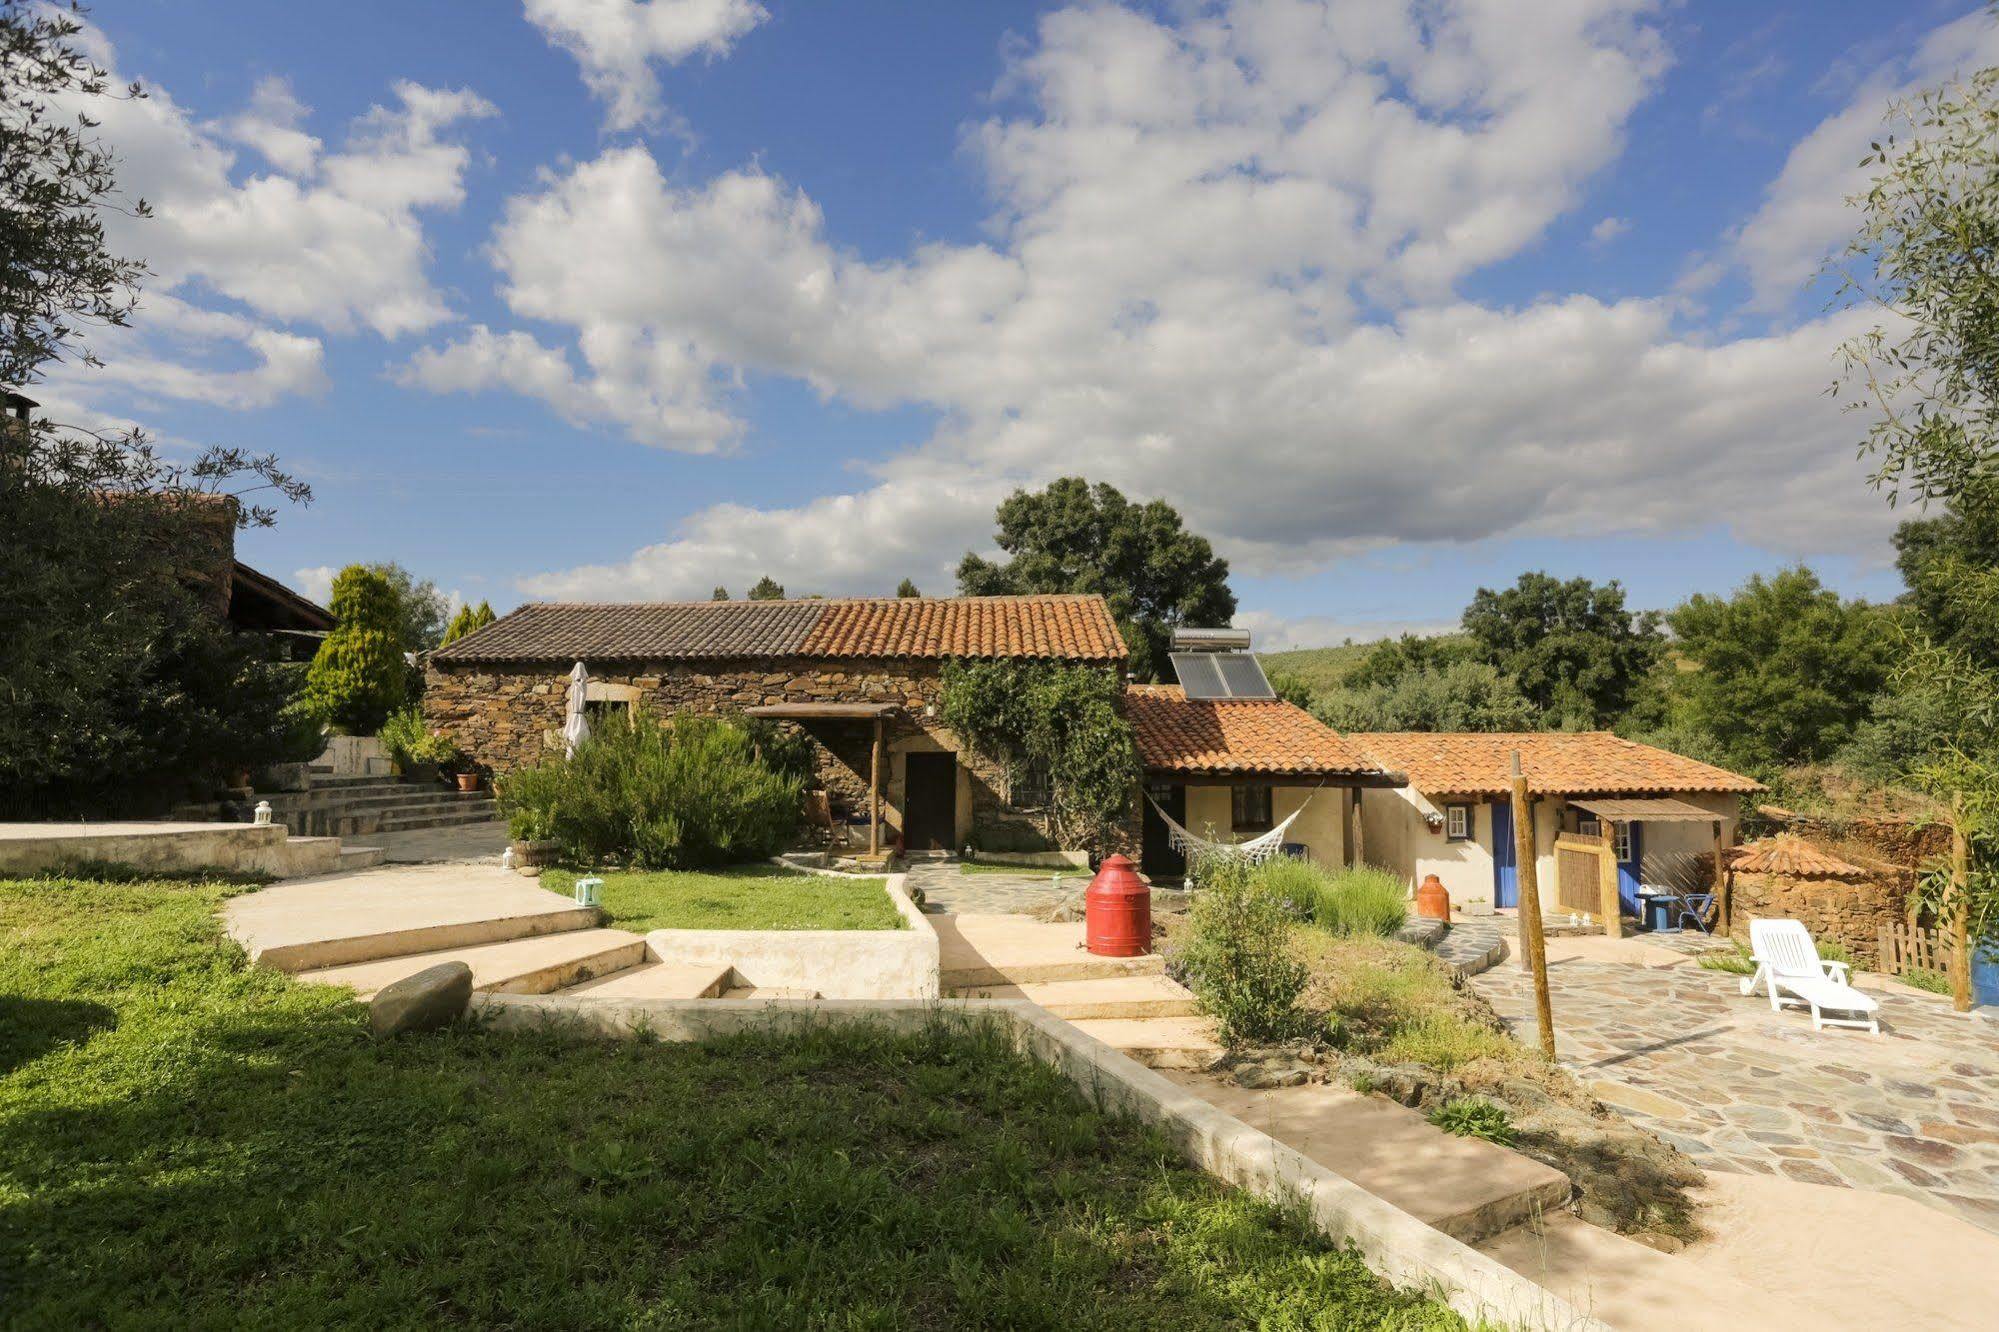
(948, 890)
(1677, 1049)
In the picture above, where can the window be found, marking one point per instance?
(1032, 787)
(1620, 835)
(1249, 809)
(597, 710)
(1457, 823)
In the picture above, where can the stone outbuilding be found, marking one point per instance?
(1787, 877)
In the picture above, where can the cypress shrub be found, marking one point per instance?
(358, 676)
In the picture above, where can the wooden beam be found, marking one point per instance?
(1960, 914)
(875, 792)
(1527, 873)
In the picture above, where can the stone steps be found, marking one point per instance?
(1157, 1042)
(993, 950)
(361, 857)
(658, 980)
(1129, 996)
(535, 965)
(768, 992)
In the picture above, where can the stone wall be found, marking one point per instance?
(509, 717)
(1903, 842)
(1849, 911)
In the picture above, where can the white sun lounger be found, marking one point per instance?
(1788, 963)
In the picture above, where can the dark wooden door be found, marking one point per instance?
(929, 802)
(1158, 858)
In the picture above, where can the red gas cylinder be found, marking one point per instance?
(1117, 911)
(1432, 899)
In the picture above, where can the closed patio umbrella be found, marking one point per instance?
(575, 726)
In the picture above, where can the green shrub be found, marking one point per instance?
(1474, 1117)
(1238, 957)
(359, 676)
(1354, 901)
(408, 741)
(683, 794)
(1926, 978)
(1736, 962)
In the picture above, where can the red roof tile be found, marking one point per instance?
(1556, 763)
(1235, 736)
(1791, 857)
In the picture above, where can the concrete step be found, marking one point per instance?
(1143, 996)
(361, 857)
(976, 950)
(515, 966)
(314, 802)
(395, 912)
(768, 992)
(409, 822)
(658, 980)
(1468, 1188)
(1161, 1042)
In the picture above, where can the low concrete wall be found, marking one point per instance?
(1395, 1244)
(355, 756)
(1078, 860)
(173, 848)
(839, 964)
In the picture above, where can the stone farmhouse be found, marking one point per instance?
(861, 677)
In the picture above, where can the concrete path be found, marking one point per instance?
(1680, 1052)
(947, 889)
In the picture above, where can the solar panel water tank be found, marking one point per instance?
(1189, 639)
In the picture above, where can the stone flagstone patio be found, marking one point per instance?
(1913, 1111)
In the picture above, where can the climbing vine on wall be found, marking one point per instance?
(1020, 715)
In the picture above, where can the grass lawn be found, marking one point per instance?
(742, 897)
(187, 1141)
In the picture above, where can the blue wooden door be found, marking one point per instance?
(1505, 870)
(1627, 871)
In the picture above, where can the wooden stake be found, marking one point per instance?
(1960, 916)
(1530, 906)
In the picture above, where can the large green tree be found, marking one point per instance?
(121, 686)
(766, 588)
(1078, 537)
(421, 609)
(1942, 556)
(1573, 648)
(470, 619)
(1782, 671)
(1926, 258)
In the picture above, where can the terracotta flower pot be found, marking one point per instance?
(468, 781)
(535, 853)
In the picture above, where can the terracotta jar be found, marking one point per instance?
(1432, 899)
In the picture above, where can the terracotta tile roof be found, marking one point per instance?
(1246, 736)
(1070, 628)
(1792, 857)
(1556, 763)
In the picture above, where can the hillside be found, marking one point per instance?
(1321, 668)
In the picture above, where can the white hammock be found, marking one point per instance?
(1256, 850)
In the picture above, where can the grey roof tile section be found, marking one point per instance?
(639, 632)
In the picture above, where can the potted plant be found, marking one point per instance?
(468, 780)
(416, 753)
(532, 846)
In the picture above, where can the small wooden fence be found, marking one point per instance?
(1586, 878)
(1906, 948)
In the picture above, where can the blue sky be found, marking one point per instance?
(592, 298)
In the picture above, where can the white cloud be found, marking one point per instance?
(1804, 216)
(1273, 632)
(1608, 229)
(617, 42)
(1221, 269)
(271, 126)
(316, 582)
(237, 257)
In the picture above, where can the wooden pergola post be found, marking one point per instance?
(1724, 880)
(875, 792)
(1606, 881)
(1960, 915)
(1356, 851)
(1527, 873)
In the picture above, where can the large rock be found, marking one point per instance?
(434, 997)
